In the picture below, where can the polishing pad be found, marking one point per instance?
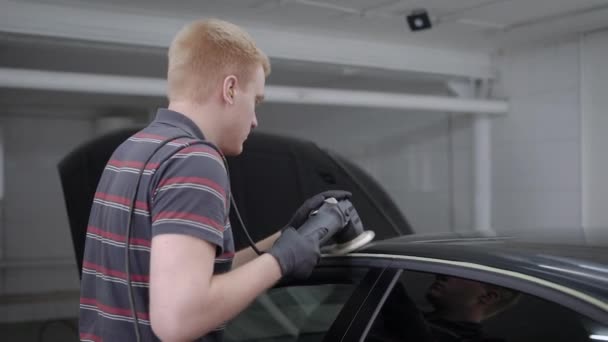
(350, 246)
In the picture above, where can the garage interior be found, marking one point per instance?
(491, 120)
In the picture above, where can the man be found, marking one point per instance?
(460, 306)
(181, 277)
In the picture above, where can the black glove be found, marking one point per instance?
(313, 203)
(297, 251)
(331, 217)
(297, 254)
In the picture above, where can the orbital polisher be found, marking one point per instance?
(350, 238)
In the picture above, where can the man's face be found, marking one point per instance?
(455, 293)
(241, 117)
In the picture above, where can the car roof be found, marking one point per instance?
(577, 266)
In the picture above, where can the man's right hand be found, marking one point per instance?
(297, 251)
(314, 203)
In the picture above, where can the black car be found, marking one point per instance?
(403, 286)
(384, 293)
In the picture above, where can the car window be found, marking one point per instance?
(302, 312)
(297, 313)
(432, 307)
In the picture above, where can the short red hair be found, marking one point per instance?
(204, 52)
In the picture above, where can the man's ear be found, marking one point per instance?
(229, 89)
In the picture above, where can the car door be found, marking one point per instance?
(321, 308)
(528, 311)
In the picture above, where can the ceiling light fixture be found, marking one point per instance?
(419, 20)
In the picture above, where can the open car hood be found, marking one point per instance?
(269, 181)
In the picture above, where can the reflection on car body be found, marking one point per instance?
(446, 288)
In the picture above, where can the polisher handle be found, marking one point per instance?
(326, 221)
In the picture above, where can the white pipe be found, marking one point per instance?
(142, 86)
(482, 154)
(357, 98)
(329, 6)
(482, 168)
(81, 82)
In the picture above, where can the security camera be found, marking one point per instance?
(419, 20)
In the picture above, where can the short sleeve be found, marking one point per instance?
(190, 196)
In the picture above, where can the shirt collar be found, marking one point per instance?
(178, 120)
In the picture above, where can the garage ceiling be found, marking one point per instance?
(354, 44)
(460, 24)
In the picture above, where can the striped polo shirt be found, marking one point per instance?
(184, 189)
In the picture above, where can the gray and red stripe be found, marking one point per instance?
(184, 190)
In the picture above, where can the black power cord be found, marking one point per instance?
(130, 223)
(236, 211)
(128, 236)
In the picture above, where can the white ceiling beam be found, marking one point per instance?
(327, 5)
(102, 24)
(573, 15)
(142, 86)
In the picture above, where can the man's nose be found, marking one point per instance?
(254, 123)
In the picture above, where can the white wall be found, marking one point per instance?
(38, 272)
(34, 223)
(421, 159)
(595, 138)
(537, 147)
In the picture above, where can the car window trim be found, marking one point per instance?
(371, 307)
(557, 293)
(343, 322)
